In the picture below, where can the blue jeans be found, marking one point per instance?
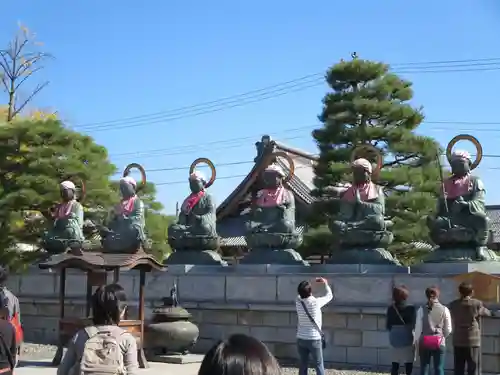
(434, 356)
(315, 349)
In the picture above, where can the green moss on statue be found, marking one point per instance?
(67, 230)
(272, 217)
(461, 226)
(359, 224)
(196, 225)
(125, 231)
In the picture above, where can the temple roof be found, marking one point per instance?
(301, 184)
(493, 212)
(101, 261)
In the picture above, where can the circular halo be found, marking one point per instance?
(371, 148)
(466, 137)
(131, 166)
(291, 164)
(211, 166)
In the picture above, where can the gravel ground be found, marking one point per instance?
(330, 371)
(34, 352)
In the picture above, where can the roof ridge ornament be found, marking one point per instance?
(264, 146)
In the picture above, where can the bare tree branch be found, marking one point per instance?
(18, 84)
(18, 62)
(37, 89)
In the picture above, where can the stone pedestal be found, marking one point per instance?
(353, 269)
(363, 255)
(274, 256)
(196, 257)
(461, 254)
(456, 268)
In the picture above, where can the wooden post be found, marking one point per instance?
(62, 292)
(88, 294)
(143, 363)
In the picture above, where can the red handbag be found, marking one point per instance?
(432, 342)
(18, 329)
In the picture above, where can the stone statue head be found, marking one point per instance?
(460, 163)
(361, 171)
(67, 189)
(272, 177)
(197, 182)
(128, 187)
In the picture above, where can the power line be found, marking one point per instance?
(242, 162)
(196, 146)
(468, 63)
(195, 112)
(240, 141)
(166, 183)
(273, 91)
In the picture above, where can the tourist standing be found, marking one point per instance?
(400, 322)
(11, 302)
(466, 313)
(432, 327)
(109, 304)
(8, 345)
(310, 338)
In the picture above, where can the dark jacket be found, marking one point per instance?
(465, 316)
(407, 312)
(8, 336)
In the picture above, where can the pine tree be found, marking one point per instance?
(35, 156)
(370, 105)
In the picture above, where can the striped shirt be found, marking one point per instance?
(305, 328)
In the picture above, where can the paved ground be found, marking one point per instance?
(35, 360)
(43, 368)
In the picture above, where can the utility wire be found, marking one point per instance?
(241, 141)
(280, 89)
(421, 65)
(239, 103)
(243, 162)
(166, 183)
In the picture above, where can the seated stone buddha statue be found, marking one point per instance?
(125, 231)
(272, 217)
(360, 219)
(461, 214)
(195, 228)
(67, 228)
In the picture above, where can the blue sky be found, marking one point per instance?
(115, 60)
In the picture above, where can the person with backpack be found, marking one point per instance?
(103, 348)
(310, 337)
(11, 302)
(8, 344)
(432, 327)
(400, 322)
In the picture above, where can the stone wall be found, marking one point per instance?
(257, 303)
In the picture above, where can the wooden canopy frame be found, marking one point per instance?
(97, 266)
